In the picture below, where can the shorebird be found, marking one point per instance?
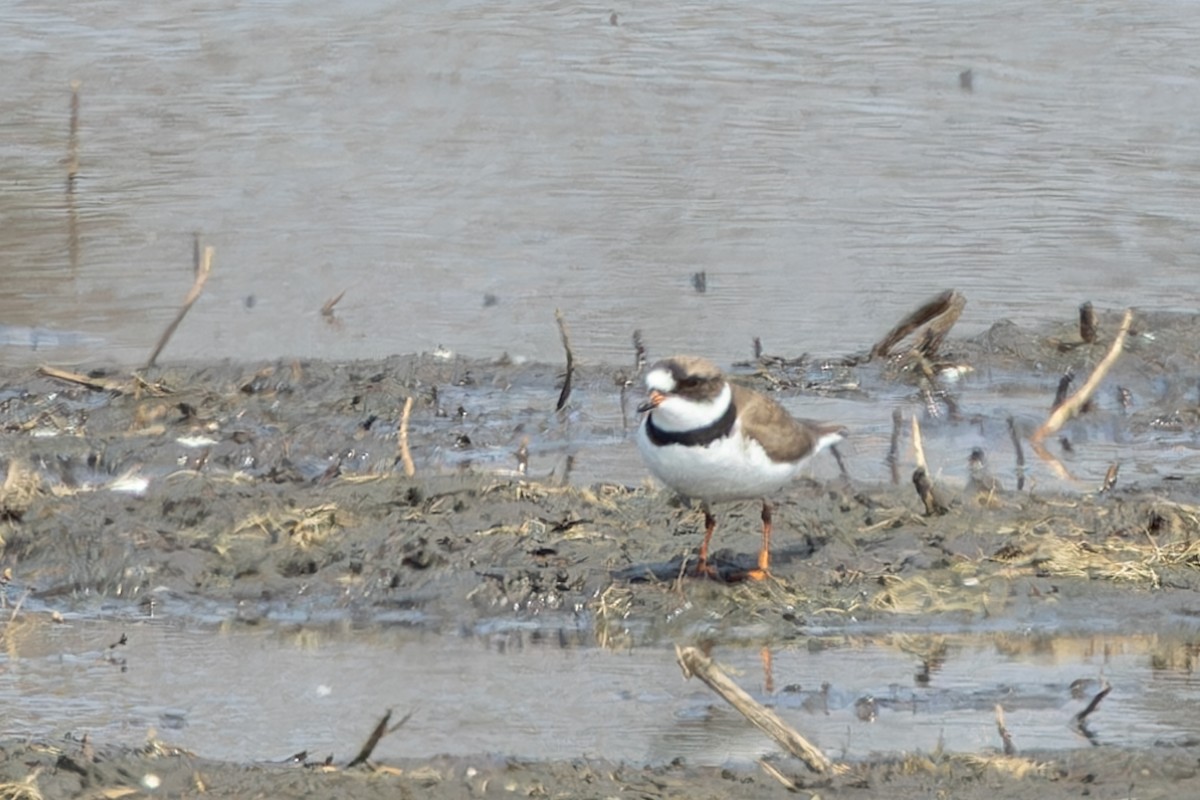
(714, 441)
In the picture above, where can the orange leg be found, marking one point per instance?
(764, 555)
(710, 525)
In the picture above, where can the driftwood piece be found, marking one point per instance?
(1071, 406)
(938, 315)
(693, 662)
(410, 469)
(99, 384)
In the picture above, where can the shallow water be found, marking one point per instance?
(461, 171)
(263, 693)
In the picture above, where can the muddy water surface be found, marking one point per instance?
(460, 171)
(260, 694)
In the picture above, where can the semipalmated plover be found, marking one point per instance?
(714, 441)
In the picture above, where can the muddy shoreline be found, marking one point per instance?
(268, 493)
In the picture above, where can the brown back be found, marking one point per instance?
(784, 437)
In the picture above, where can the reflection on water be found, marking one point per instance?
(461, 171)
(264, 693)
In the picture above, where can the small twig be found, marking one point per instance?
(378, 733)
(1009, 748)
(693, 662)
(1064, 386)
(893, 456)
(1087, 323)
(406, 456)
(99, 384)
(1081, 718)
(774, 772)
(1016, 441)
(639, 352)
(1070, 407)
(203, 270)
(918, 447)
(1110, 477)
(565, 394)
(924, 486)
(327, 309)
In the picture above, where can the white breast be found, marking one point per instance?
(731, 468)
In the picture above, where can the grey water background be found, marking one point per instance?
(462, 169)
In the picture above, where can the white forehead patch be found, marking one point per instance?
(661, 380)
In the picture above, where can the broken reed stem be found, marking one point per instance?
(918, 448)
(406, 456)
(203, 270)
(893, 456)
(565, 394)
(1010, 749)
(922, 480)
(693, 662)
(1110, 477)
(639, 352)
(1087, 323)
(1082, 716)
(98, 384)
(1070, 407)
(327, 309)
(369, 746)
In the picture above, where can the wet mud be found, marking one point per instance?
(277, 492)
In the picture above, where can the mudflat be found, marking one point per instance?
(276, 489)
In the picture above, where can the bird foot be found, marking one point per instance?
(756, 575)
(706, 570)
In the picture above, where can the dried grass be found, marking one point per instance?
(611, 610)
(919, 595)
(302, 528)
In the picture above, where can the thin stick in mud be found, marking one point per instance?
(565, 394)
(98, 384)
(1087, 323)
(331, 303)
(1071, 406)
(922, 480)
(693, 662)
(203, 270)
(893, 456)
(381, 729)
(410, 469)
(639, 352)
(1016, 441)
(1010, 749)
(1081, 718)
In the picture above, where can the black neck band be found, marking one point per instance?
(697, 437)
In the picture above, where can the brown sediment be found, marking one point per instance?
(260, 516)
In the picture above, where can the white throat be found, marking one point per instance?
(677, 413)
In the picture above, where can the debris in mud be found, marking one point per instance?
(693, 662)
